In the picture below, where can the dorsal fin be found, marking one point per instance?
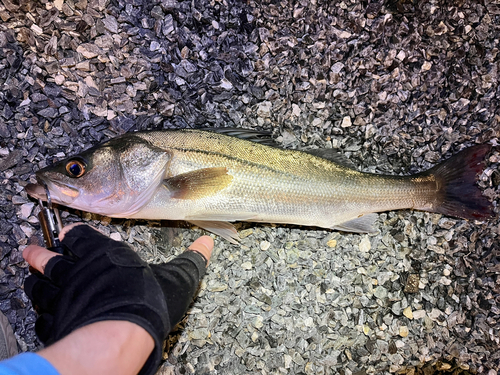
(257, 136)
(264, 138)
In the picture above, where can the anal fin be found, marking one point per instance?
(199, 183)
(221, 228)
(362, 224)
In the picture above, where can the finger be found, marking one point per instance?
(66, 229)
(58, 270)
(83, 240)
(38, 257)
(203, 245)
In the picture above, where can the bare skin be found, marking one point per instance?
(107, 347)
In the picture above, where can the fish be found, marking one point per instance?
(212, 179)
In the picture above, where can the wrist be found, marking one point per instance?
(102, 347)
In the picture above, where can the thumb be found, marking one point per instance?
(203, 245)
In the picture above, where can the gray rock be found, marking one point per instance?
(394, 87)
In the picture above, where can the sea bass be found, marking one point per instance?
(211, 179)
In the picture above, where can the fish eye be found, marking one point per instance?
(75, 168)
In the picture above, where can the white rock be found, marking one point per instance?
(342, 34)
(59, 79)
(100, 112)
(25, 102)
(337, 67)
(36, 29)
(33, 220)
(111, 114)
(317, 122)
(401, 55)
(88, 50)
(215, 286)
(180, 81)
(154, 46)
(418, 314)
(27, 229)
(58, 4)
(140, 86)
(246, 266)
(225, 84)
(198, 334)
(89, 81)
(434, 314)
(278, 319)
(442, 29)
(26, 209)
(445, 281)
(264, 109)
(346, 122)
(296, 110)
(258, 322)
(426, 66)
(383, 277)
(365, 244)
(264, 245)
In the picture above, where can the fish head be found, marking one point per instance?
(114, 179)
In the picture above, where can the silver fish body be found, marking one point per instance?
(210, 179)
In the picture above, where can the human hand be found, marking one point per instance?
(105, 280)
(38, 256)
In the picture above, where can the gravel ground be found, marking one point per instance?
(396, 87)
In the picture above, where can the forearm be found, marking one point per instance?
(106, 347)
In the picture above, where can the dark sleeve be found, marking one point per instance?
(179, 280)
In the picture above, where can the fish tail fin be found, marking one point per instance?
(458, 193)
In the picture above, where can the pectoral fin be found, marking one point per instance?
(363, 224)
(198, 184)
(220, 228)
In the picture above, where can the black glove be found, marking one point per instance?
(103, 279)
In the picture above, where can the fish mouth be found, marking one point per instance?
(52, 192)
(37, 191)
